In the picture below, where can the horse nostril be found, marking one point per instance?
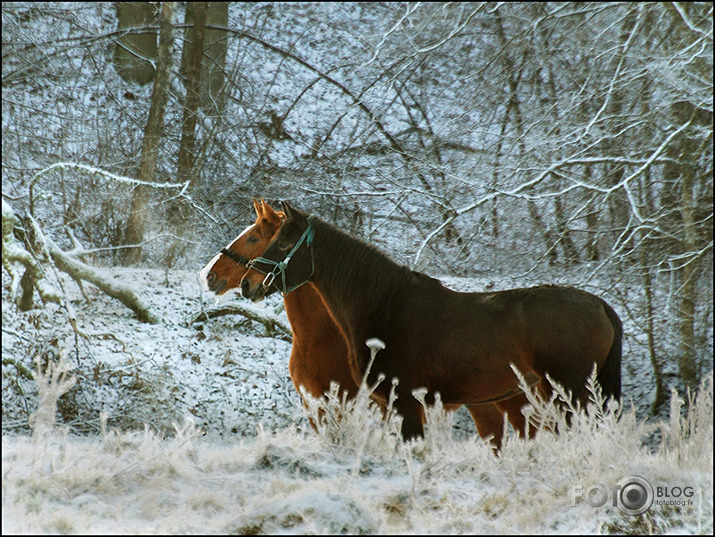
(210, 277)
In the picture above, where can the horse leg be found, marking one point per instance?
(517, 419)
(412, 420)
(489, 421)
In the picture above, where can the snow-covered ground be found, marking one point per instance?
(194, 426)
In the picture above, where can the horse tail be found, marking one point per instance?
(609, 377)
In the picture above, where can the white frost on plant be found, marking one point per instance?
(375, 343)
(351, 473)
(367, 481)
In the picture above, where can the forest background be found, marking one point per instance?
(552, 143)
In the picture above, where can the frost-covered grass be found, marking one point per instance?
(355, 475)
(244, 457)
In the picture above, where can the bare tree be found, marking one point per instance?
(560, 142)
(136, 223)
(136, 51)
(186, 158)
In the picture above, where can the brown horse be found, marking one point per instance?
(319, 354)
(458, 344)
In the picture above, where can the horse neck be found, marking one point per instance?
(307, 314)
(357, 282)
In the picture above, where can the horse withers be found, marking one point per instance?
(461, 345)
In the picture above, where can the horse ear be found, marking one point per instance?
(269, 213)
(257, 207)
(288, 210)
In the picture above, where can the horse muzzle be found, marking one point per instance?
(213, 283)
(254, 294)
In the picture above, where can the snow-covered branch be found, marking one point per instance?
(81, 271)
(14, 253)
(102, 173)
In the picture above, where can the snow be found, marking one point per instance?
(195, 427)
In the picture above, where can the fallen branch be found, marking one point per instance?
(272, 325)
(13, 253)
(81, 271)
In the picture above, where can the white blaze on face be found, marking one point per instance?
(204, 272)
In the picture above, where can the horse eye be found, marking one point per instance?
(251, 239)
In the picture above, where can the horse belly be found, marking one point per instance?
(469, 359)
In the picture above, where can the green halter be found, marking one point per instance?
(279, 267)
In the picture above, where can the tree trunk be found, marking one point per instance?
(564, 233)
(136, 224)
(215, 47)
(187, 156)
(687, 362)
(682, 171)
(178, 212)
(134, 53)
(685, 182)
(660, 393)
(592, 223)
(496, 173)
(514, 76)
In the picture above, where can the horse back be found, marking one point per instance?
(565, 330)
(551, 329)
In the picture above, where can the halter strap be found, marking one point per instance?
(238, 258)
(279, 267)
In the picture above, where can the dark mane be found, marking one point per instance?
(372, 273)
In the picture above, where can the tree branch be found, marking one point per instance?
(80, 271)
(272, 325)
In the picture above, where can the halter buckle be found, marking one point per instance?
(269, 279)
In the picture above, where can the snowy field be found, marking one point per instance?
(193, 426)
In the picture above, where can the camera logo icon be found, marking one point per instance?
(634, 495)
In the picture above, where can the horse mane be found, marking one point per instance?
(376, 276)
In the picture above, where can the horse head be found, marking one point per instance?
(227, 268)
(287, 262)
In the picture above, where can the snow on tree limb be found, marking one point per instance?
(14, 253)
(82, 271)
(103, 173)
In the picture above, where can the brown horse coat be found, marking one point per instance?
(319, 354)
(458, 344)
